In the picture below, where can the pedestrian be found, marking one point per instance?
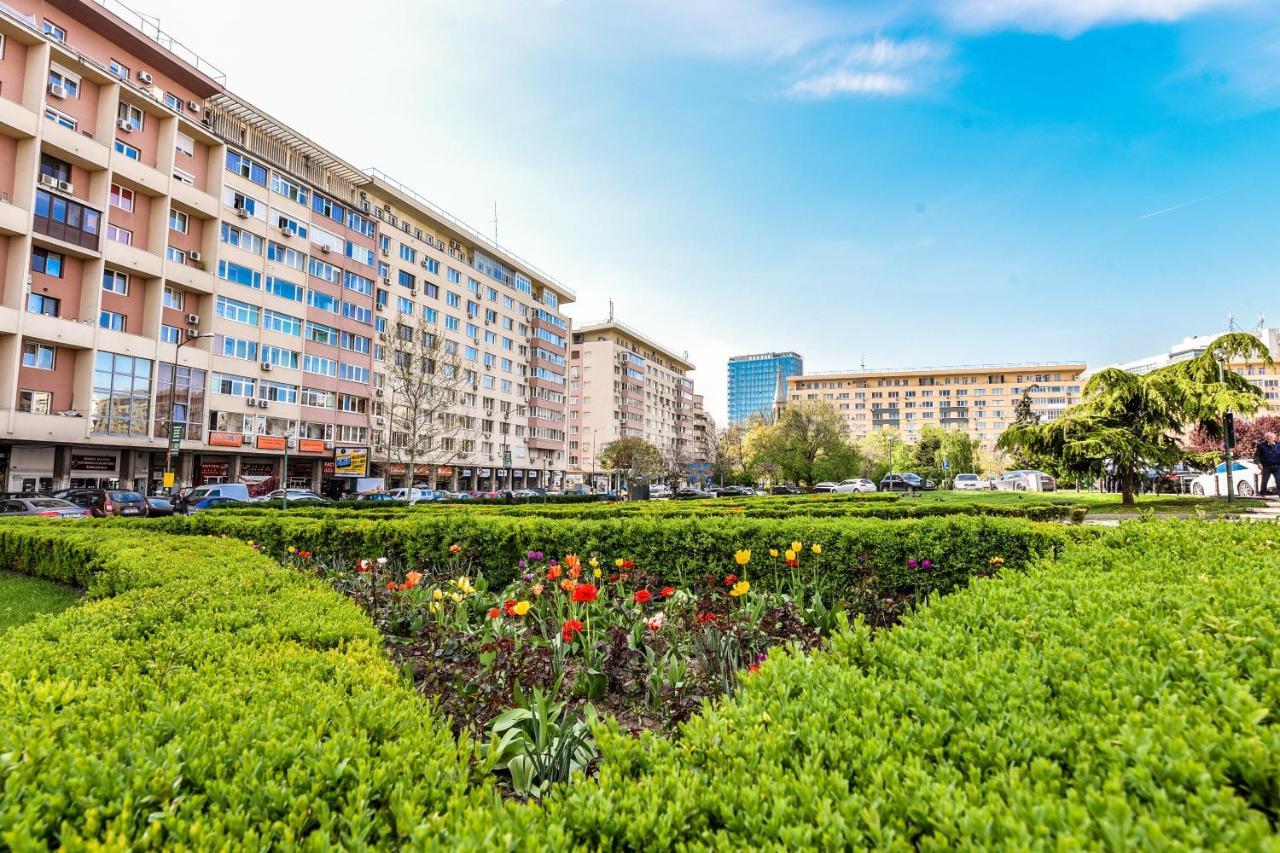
(1268, 458)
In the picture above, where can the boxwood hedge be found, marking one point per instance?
(1123, 695)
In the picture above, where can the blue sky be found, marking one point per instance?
(905, 183)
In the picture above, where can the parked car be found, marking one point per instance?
(901, 483)
(105, 502)
(659, 491)
(43, 507)
(210, 503)
(158, 505)
(376, 497)
(690, 494)
(967, 483)
(786, 490)
(238, 491)
(735, 492)
(824, 487)
(1246, 475)
(855, 484)
(300, 495)
(1025, 481)
(416, 494)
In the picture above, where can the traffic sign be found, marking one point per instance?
(506, 459)
(946, 465)
(175, 437)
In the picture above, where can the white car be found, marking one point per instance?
(1246, 475)
(968, 483)
(855, 484)
(824, 487)
(413, 495)
(659, 491)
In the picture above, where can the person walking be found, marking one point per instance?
(1268, 458)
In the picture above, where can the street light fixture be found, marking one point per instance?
(175, 436)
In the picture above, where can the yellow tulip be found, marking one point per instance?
(796, 546)
(817, 549)
(596, 572)
(437, 594)
(594, 563)
(521, 608)
(742, 557)
(773, 552)
(618, 562)
(455, 597)
(740, 588)
(791, 555)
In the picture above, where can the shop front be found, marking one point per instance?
(94, 469)
(31, 469)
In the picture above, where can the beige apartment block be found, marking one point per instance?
(622, 384)
(979, 399)
(168, 247)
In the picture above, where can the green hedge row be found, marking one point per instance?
(857, 553)
(1122, 697)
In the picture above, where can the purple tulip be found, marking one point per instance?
(527, 577)
(762, 657)
(926, 565)
(912, 563)
(523, 564)
(532, 555)
(554, 563)
(537, 555)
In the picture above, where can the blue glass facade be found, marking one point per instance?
(753, 382)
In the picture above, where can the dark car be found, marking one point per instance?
(43, 507)
(105, 502)
(690, 494)
(158, 505)
(735, 492)
(211, 503)
(901, 483)
(786, 490)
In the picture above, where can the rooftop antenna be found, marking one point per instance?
(495, 223)
(863, 357)
(610, 310)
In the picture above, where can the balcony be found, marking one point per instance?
(198, 200)
(188, 276)
(14, 220)
(55, 428)
(16, 120)
(150, 179)
(74, 146)
(133, 259)
(77, 334)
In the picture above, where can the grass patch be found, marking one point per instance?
(24, 598)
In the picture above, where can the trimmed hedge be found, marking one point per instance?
(856, 552)
(1121, 697)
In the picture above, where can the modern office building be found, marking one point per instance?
(178, 265)
(754, 379)
(622, 384)
(977, 399)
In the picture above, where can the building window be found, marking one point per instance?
(289, 189)
(54, 31)
(70, 83)
(241, 239)
(120, 235)
(246, 168)
(52, 167)
(111, 320)
(178, 256)
(35, 402)
(65, 219)
(60, 118)
(184, 177)
(188, 402)
(128, 150)
(172, 101)
(130, 117)
(38, 356)
(239, 312)
(232, 385)
(185, 145)
(174, 298)
(38, 303)
(119, 69)
(115, 282)
(122, 197)
(178, 221)
(170, 334)
(44, 261)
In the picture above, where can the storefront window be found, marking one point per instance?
(121, 394)
(188, 406)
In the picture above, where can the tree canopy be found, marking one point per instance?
(634, 457)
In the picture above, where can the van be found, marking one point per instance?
(235, 491)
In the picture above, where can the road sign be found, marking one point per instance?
(506, 459)
(946, 465)
(168, 479)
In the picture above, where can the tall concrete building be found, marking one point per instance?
(754, 380)
(621, 385)
(1266, 378)
(182, 269)
(977, 399)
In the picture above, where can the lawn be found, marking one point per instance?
(1098, 504)
(23, 599)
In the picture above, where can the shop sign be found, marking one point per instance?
(226, 439)
(326, 468)
(93, 462)
(533, 475)
(445, 471)
(466, 472)
(213, 469)
(484, 472)
(351, 462)
(257, 469)
(272, 442)
(310, 445)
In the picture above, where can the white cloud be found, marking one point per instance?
(879, 67)
(1071, 17)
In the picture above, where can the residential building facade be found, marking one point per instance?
(1266, 378)
(979, 400)
(754, 380)
(181, 267)
(623, 385)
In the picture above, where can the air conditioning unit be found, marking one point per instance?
(194, 106)
(262, 404)
(57, 90)
(125, 125)
(194, 256)
(252, 401)
(193, 319)
(193, 333)
(324, 250)
(266, 365)
(425, 265)
(65, 186)
(364, 206)
(49, 181)
(386, 279)
(242, 212)
(145, 77)
(378, 392)
(380, 421)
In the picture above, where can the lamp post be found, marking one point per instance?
(175, 436)
(594, 446)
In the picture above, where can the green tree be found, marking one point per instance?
(634, 458)
(875, 452)
(805, 443)
(1133, 421)
(733, 463)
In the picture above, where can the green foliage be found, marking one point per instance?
(634, 457)
(23, 599)
(539, 744)
(806, 443)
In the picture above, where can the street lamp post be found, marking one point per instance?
(175, 437)
(594, 447)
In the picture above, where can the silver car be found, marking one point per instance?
(1026, 481)
(43, 507)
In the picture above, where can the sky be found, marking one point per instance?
(892, 183)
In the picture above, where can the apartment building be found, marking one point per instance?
(754, 380)
(621, 385)
(1266, 378)
(183, 271)
(977, 399)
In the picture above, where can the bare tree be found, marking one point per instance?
(424, 386)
